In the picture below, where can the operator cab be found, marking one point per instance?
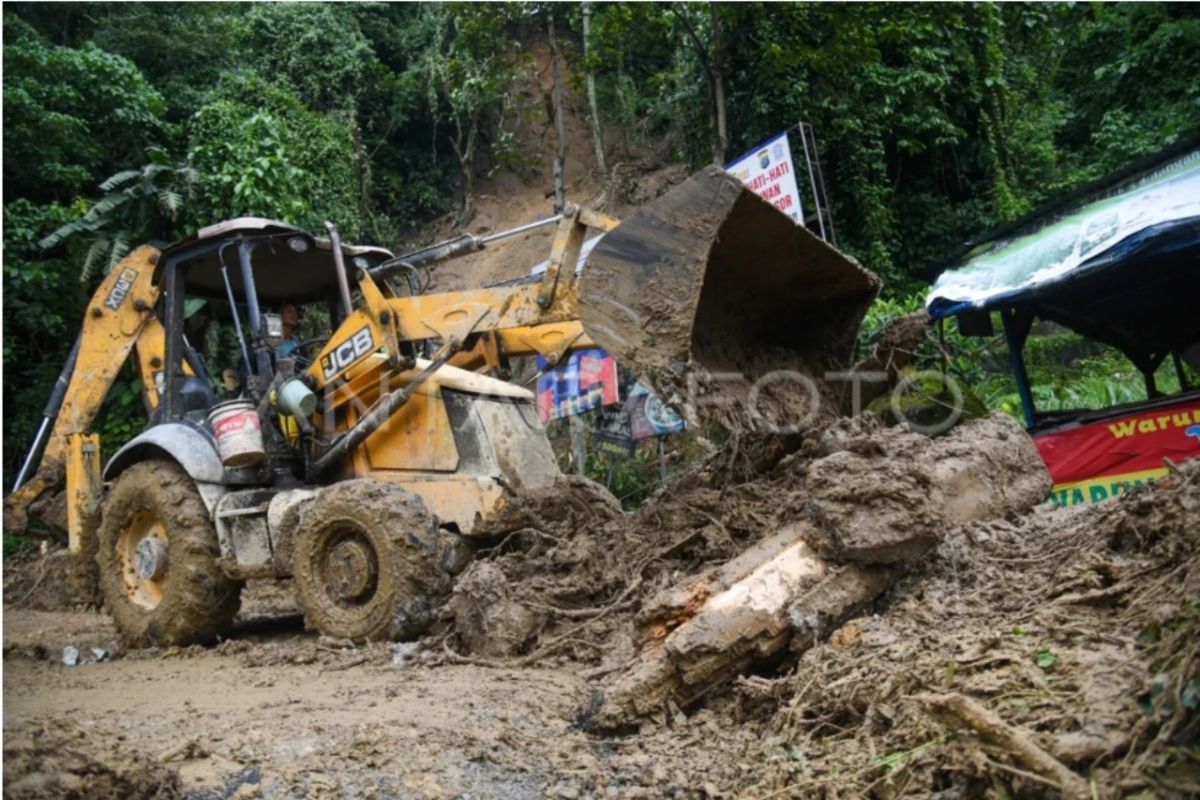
(239, 298)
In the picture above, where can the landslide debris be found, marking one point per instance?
(1016, 648)
(1006, 650)
(63, 759)
(41, 581)
(849, 520)
(1078, 629)
(583, 569)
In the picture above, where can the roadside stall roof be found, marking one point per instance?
(1122, 267)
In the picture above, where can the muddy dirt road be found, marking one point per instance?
(276, 712)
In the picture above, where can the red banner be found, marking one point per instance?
(1098, 460)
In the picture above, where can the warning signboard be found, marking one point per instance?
(769, 172)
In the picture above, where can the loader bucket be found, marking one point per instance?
(710, 281)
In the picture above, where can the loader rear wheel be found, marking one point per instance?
(158, 560)
(365, 566)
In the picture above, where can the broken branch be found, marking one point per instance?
(962, 712)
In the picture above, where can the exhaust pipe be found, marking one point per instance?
(339, 260)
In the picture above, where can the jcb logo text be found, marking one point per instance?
(347, 353)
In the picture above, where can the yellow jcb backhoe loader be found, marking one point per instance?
(362, 464)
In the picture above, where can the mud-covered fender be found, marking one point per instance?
(193, 450)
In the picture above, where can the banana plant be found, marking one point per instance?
(138, 205)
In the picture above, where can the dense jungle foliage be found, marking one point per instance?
(134, 122)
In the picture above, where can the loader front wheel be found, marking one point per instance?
(365, 565)
(158, 560)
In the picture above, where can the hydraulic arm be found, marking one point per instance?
(119, 316)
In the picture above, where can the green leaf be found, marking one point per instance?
(120, 178)
(1046, 658)
(171, 202)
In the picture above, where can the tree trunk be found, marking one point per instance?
(578, 444)
(713, 74)
(467, 209)
(363, 172)
(593, 106)
(560, 127)
(717, 76)
(464, 150)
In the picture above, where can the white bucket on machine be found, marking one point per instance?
(238, 432)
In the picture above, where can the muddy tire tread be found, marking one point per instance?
(402, 524)
(199, 601)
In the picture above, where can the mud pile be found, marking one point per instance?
(1076, 630)
(63, 759)
(1044, 652)
(41, 581)
(573, 571)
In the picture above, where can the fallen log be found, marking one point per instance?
(864, 513)
(794, 597)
